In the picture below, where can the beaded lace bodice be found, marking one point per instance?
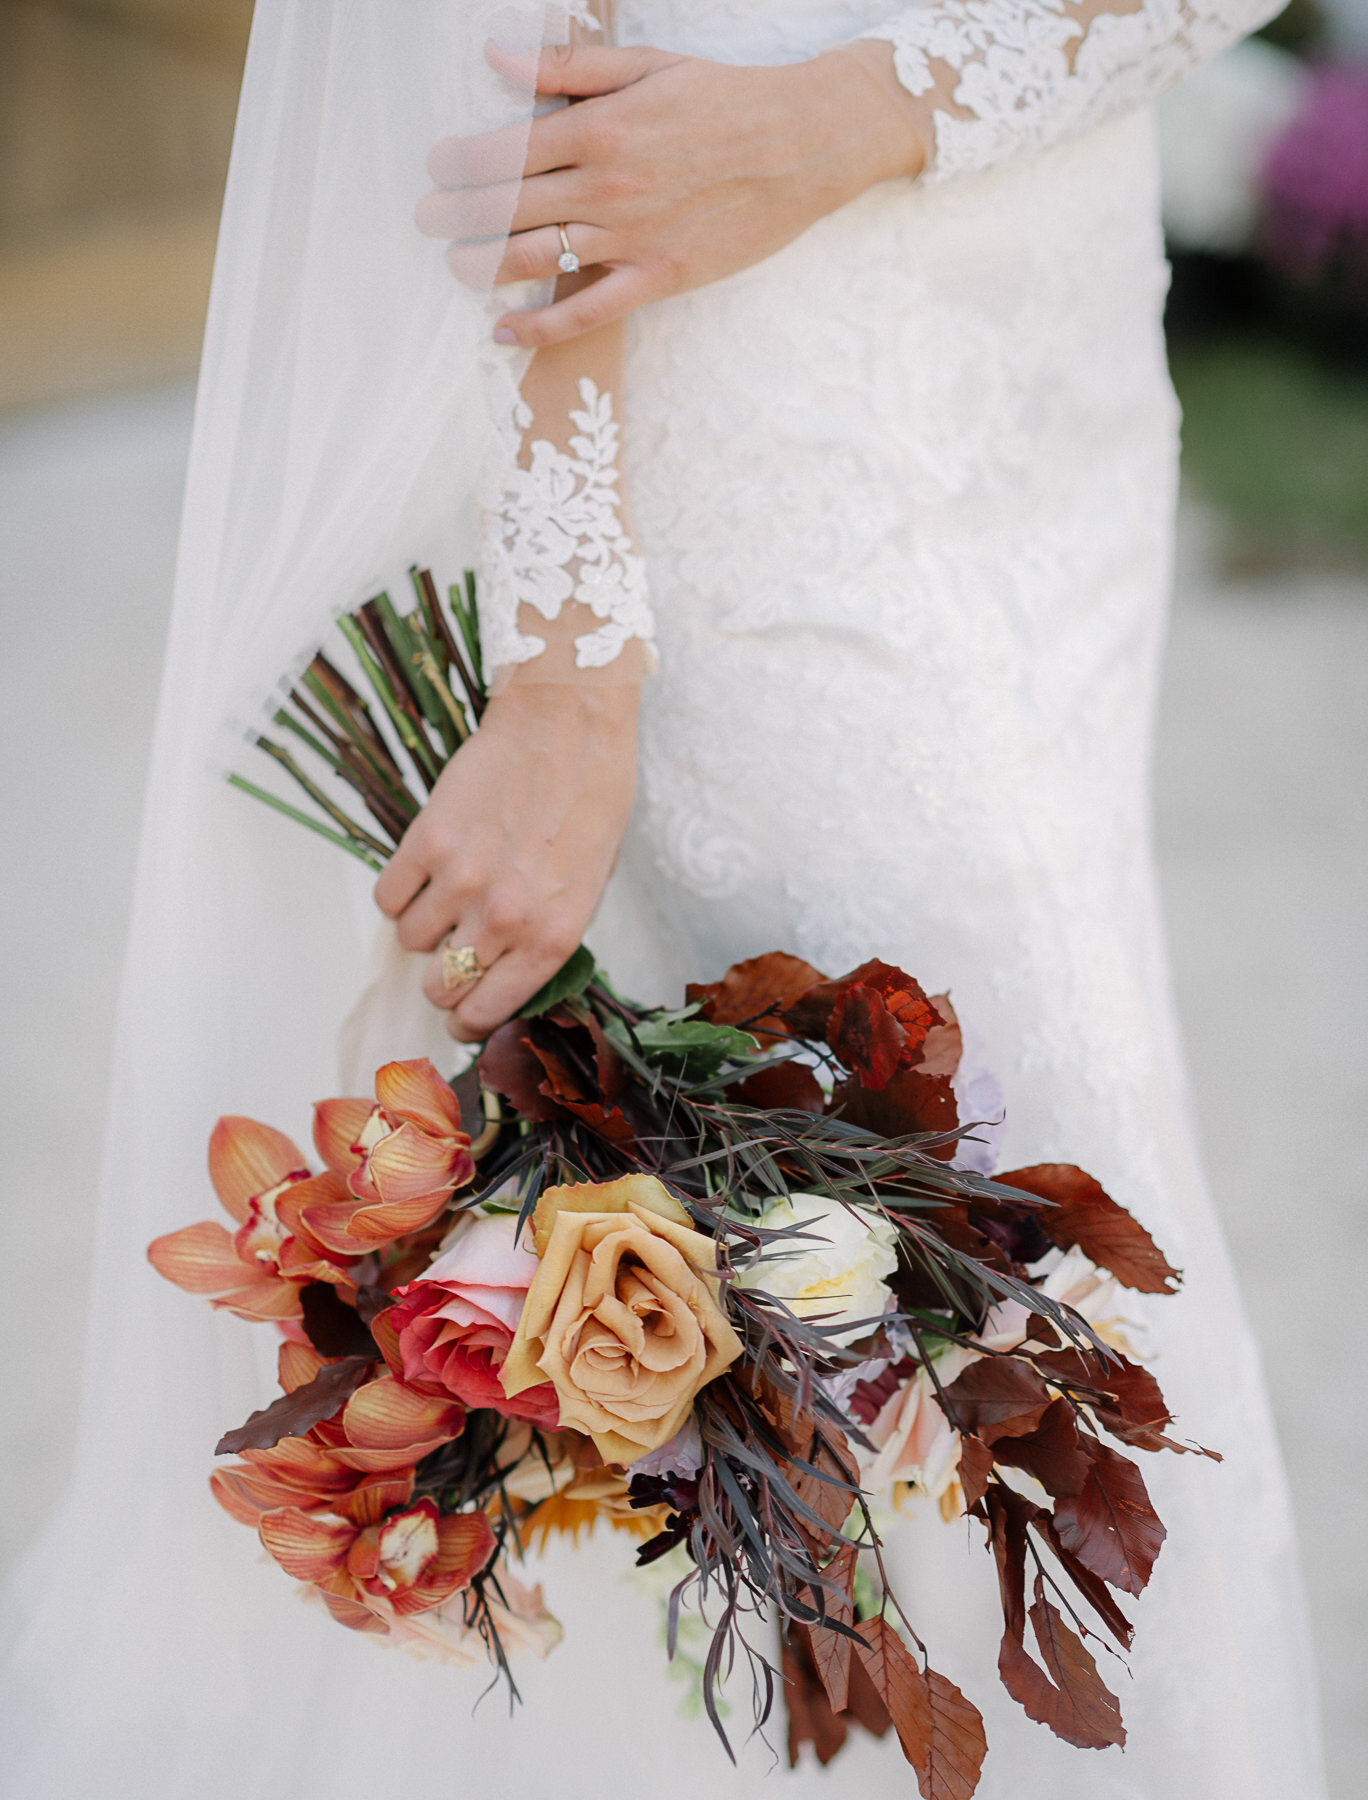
(999, 79)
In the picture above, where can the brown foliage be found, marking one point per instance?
(754, 993)
(1109, 1525)
(1075, 1705)
(831, 1650)
(998, 1396)
(295, 1413)
(1086, 1217)
(910, 1100)
(957, 1745)
(783, 1087)
(1053, 1453)
(900, 1685)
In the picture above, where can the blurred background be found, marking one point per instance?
(115, 123)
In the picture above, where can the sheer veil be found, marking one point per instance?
(342, 413)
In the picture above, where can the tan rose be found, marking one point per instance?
(622, 1314)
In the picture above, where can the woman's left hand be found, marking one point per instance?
(671, 172)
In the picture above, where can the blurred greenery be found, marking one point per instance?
(1277, 439)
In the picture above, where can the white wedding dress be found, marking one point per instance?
(905, 494)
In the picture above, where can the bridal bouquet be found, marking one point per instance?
(733, 1279)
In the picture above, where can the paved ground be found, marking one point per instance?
(1263, 832)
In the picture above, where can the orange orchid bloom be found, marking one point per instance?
(412, 1562)
(393, 1161)
(265, 1186)
(358, 1464)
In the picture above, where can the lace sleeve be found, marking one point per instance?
(1007, 77)
(563, 587)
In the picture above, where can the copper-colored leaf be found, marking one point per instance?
(1009, 1514)
(811, 1717)
(1109, 1525)
(911, 1100)
(957, 1746)
(1053, 1453)
(831, 1650)
(1093, 1589)
(331, 1326)
(901, 1688)
(783, 1087)
(753, 993)
(297, 1412)
(1088, 1714)
(975, 1466)
(510, 1067)
(865, 1036)
(997, 1396)
(1085, 1217)
(831, 1499)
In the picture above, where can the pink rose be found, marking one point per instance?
(455, 1323)
(912, 1439)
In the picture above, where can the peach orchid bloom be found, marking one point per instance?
(412, 1561)
(358, 1464)
(264, 1184)
(393, 1161)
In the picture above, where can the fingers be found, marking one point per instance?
(530, 256)
(490, 211)
(495, 997)
(403, 879)
(613, 297)
(578, 70)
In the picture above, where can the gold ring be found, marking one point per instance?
(460, 965)
(567, 262)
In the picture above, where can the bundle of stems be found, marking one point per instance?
(427, 686)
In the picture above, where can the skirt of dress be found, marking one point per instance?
(906, 493)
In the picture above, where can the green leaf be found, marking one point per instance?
(570, 979)
(683, 1040)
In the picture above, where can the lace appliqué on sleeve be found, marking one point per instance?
(1016, 76)
(553, 533)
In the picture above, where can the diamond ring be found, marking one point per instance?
(460, 965)
(567, 262)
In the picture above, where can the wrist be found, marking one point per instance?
(550, 708)
(894, 128)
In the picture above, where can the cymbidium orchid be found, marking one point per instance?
(412, 1561)
(358, 1464)
(265, 1186)
(394, 1161)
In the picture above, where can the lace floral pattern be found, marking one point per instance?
(553, 533)
(1024, 74)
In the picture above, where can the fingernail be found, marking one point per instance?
(504, 334)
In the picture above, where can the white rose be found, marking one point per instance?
(837, 1272)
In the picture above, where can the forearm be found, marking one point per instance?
(563, 585)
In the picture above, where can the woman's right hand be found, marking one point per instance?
(516, 843)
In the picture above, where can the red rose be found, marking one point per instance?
(456, 1322)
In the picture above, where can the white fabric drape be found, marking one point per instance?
(340, 425)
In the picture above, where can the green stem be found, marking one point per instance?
(302, 818)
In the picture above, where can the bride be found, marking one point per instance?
(849, 412)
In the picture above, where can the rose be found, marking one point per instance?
(912, 1438)
(622, 1316)
(456, 1322)
(835, 1273)
(1076, 1282)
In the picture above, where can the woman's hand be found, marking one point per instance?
(515, 844)
(671, 172)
